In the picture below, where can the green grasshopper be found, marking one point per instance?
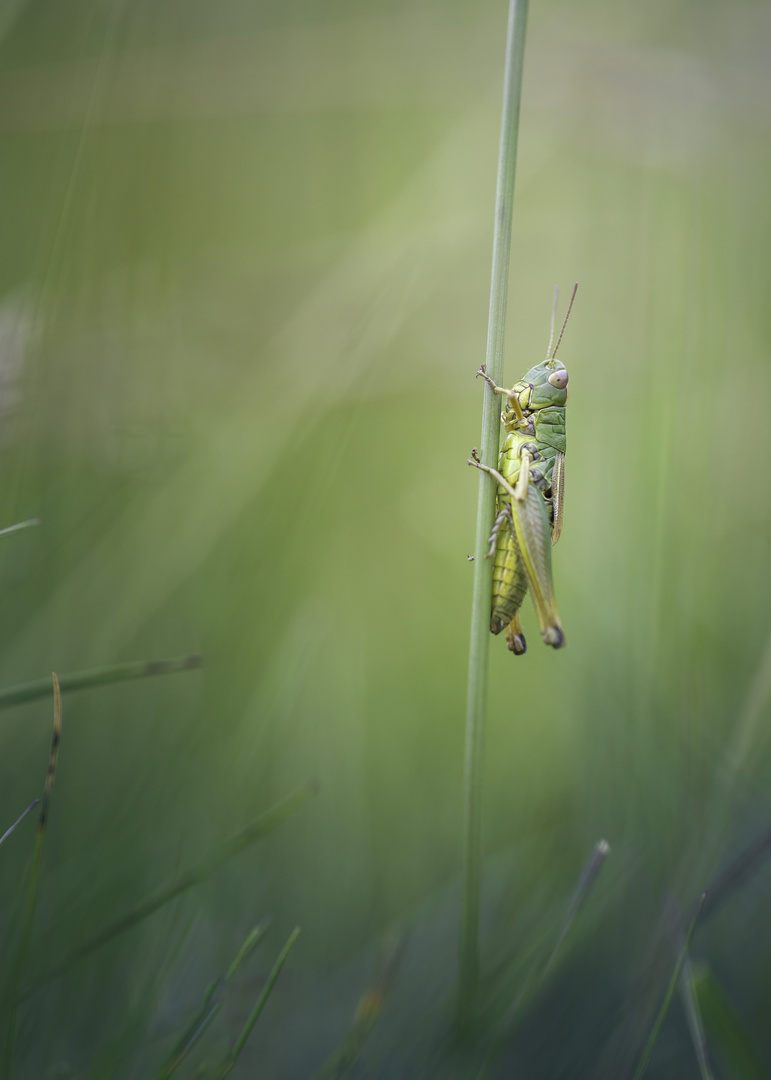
(530, 498)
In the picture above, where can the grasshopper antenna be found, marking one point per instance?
(567, 316)
(553, 317)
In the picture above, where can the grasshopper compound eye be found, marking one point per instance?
(559, 379)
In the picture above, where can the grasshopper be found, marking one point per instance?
(530, 498)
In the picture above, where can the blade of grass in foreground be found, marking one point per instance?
(20, 525)
(79, 680)
(476, 705)
(737, 873)
(687, 989)
(227, 1065)
(673, 982)
(21, 957)
(261, 827)
(18, 820)
(212, 1003)
(514, 1012)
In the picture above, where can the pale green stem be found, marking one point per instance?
(468, 945)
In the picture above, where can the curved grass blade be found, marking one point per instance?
(738, 871)
(21, 956)
(21, 525)
(673, 982)
(18, 820)
(585, 885)
(532, 984)
(79, 680)
(727, 1030)
(227, 1065)
(687, 990)
(476, 700)
(212, 1004)
(261, 827)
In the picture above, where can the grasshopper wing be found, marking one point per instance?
(531, 525)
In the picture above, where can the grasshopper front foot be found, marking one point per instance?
(483, 372)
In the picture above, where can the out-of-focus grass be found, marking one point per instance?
(239, 322)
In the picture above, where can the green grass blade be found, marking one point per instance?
(18, 821)
(261, 827)
(738, 872)
(211, 1006)
(21, 956)
(20, 525)
(673, 982)
(476, 706)
(253, 939)
(513, 1012)
(254, 1016)
(727, 1031)
(585, 885)
(79, 680)
(687, 989)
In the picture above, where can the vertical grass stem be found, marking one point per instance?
(468, 946)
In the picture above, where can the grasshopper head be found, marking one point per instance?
(544, 385)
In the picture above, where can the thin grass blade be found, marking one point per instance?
(265, 824)
(514, 1011)
(232, 1058)
(21, 957)
(18, 820)
(80, 680)
(727, 1030)
(212, 1004)
(582, 890)
(687, 990)
(673, 983)
(738, 871)
(20, 525)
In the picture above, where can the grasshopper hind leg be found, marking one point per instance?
(515, 639)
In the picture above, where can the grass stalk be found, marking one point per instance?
(227, 1065)
(21, 956)
(80, 680)
(476, 706)
(673, 984)
(259, 828)
(18, 820)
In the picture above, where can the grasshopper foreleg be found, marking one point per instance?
(510, 394)
(474, 460)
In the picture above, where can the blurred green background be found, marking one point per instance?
(244, 273)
